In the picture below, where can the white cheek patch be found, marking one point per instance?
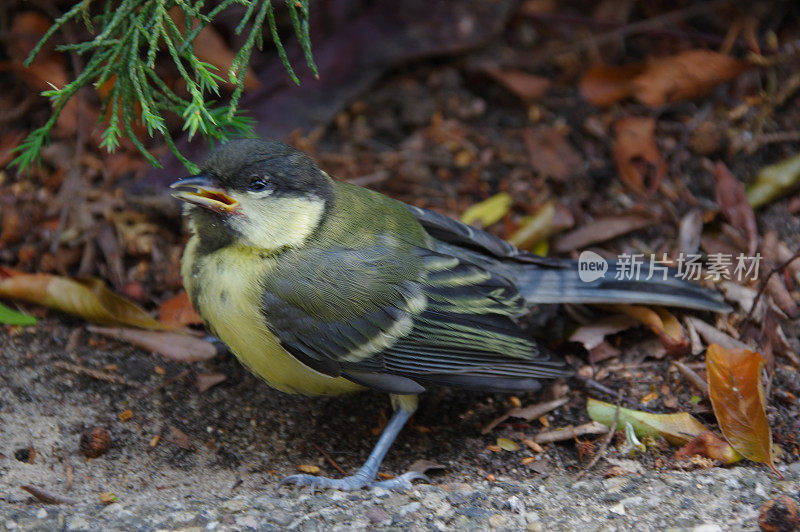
(272, 223)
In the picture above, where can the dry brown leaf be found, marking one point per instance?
(593, 334)
(709, 445)
(87, 298)
(423, 466)
(600, 230)
(527, 413)
(210, 47)
(604, 85)
(663, 323)
(636, 153)
(205, 381)
(179, 438)
(550, 152)
(527, 87)
(734, 385)
(175, 346)
(47, 70)
(733, 204)
(177, 311)
(687, 75)
(775, 286)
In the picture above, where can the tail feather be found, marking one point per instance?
(564, 285)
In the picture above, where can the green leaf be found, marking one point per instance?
(12, 317)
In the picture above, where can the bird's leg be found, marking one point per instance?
(404, 406)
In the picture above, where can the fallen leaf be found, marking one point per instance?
(551, 218)
(604, 85)
(675, 428)
(604, 351)
(125, 415)
(550, 152)
(210, 47)
(12, 317)
(527, 413)
(507, 445)
(527, 87)
(662, 322)
(600, 230)
(205, 381)
(177, 311)
(712, 335)
(734, 384)
(535, 447)
(423, 466)
(711, 446)
(636, 153)
(309, 468)
(175, 346)
(733, 204)
(593, 334)
(774, 181)
(107, 497)
(179, 438)
(683, 76)
(488, 211)
(87, 298)
(775, 285)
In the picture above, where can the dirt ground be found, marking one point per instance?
(239, 438)
(442, 129)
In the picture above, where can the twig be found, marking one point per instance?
(96, 374)
(329, 459)
(763, 285)
(527, 413)
(571, 432)
(690, 375)
(606, 441)
(48, 497)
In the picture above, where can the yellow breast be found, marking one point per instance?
(225, 286)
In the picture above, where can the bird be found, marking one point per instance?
(321, 287)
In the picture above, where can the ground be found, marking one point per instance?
(240, 438)
(442, 125)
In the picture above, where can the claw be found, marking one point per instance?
(352, 483)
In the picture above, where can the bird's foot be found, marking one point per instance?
(353, 482)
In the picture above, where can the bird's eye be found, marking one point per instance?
(257, 184)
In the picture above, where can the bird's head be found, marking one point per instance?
(256, 193)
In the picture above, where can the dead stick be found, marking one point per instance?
(48, 497)
(606, 441)
(764, 282)
(96, 374)
(690, 375)
(571, 432)
(329, 459)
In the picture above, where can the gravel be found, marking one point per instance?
(242, 438)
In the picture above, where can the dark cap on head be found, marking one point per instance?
(235, 163)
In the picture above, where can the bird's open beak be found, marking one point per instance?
(201, 190)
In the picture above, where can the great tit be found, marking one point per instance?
(321, 287)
